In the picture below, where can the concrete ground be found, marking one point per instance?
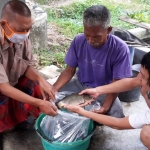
(104, 138)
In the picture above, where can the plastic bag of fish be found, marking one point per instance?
(67, 98)
(65, 127)
(71, 98)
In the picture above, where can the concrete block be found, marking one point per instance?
(38, 34)
(52, 81)
(50, 72)
(141, 33)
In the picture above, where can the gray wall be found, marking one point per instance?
(3, 2)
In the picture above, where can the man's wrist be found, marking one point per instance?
(99, 90)
(37, 102)
(56, 87)
(39, 78)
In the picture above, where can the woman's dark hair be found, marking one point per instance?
(145, 62)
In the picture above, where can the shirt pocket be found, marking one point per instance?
(18, 69)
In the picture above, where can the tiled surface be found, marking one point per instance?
(105, 138)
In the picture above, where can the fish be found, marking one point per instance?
(75, 99)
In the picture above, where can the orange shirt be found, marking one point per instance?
(14, 60)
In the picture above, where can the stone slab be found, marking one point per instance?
(50, 72)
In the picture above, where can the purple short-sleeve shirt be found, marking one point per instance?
(99, 66)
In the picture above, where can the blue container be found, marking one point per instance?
(77, 145)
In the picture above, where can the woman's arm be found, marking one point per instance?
(117, 123)
(115, 87)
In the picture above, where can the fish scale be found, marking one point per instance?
(74, 99)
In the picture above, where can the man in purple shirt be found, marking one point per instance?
(99, 58)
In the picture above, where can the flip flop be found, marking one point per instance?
(25, 125)
(1, 141)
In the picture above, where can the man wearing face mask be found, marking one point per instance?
(101, 58)
(23, 92)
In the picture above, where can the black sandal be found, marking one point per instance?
(1, 141)
(25, 125)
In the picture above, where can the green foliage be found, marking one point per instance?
(145, 1)
(48, 57)
(59, 58)
(140, 16)
(68, 19)
(43, 56)
(42, 2)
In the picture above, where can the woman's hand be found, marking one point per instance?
(74, 108)
(92, 92)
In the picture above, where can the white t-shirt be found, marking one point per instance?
(139, 119)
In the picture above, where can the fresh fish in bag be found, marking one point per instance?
(75, 99)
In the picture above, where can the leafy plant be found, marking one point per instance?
(140, 16)
(59, 59)
(68, 19)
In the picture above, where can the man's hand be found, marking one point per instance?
(47, 90)
(92, 92)
(47, 108)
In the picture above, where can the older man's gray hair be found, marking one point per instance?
(97, 15)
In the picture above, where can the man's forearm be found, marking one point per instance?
(32, 74)
(18, 95)
(109, 101)
(65, 77)
(62, 80)
(119, 86)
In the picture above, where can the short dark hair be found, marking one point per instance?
(15, 7)
(145, 62)
(97, 15)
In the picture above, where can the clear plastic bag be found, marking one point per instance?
(95, 105)
(60, 95)
(65, 127)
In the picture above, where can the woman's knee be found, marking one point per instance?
(145, 135)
